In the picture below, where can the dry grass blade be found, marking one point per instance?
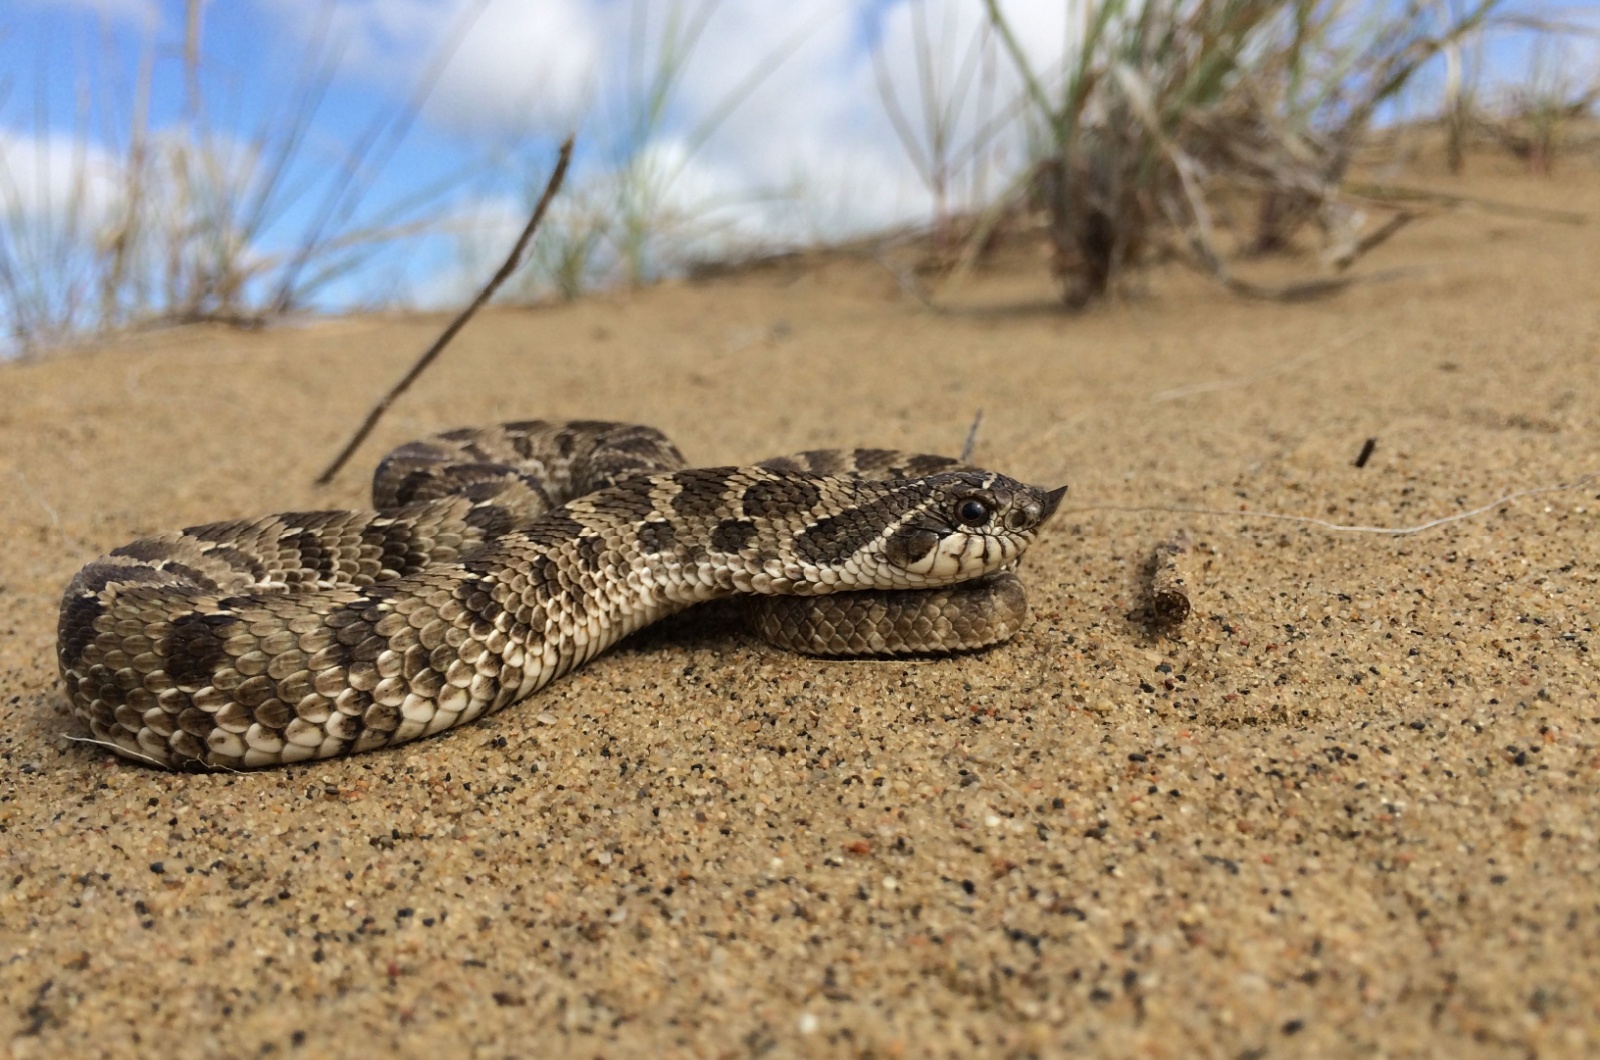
(557, 175)
(376, 146)
(971, 444)
(638, 214)
(943, 85)
(194, 220)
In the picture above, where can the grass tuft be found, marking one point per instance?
(1179, 123)
(634, 215)
(153, 224)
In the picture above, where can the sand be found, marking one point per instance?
(1348, 808)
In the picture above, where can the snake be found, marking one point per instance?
(497, 559)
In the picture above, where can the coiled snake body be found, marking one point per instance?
(498, 560)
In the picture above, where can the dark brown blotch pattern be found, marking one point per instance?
(591, 553)
(702, 492)
(553, 529)
(195, 646)
(836, 536)
(315, 556)
(476, 593)
(76, 627)
(491, 520)
(237, 560)
(150, 550)
(657, 537)
(777, 498)
(517, 573)
(629, 500)
(733, 535)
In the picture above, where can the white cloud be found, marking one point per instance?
(798, 143)
(56, 176)
(57, 196)
(790, 90)
(521, 68)
(517, 68)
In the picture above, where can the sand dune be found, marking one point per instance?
(1349, 808)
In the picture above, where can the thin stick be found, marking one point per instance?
(512, 261)
(972, 437)
(1372, 239)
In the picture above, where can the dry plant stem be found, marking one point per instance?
(1305, 292)
(1201, 237)
(1202, 258)
(49, 509)
(972, 437)
(506, 269)
(1399, 193)
(1375, 237)
(1169, 592)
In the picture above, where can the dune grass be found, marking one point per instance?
(1211, 129)
(630, 214)
(1170, 114)
(1534, 118)
(185, 221)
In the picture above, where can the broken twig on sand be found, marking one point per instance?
(506, 269)
(1169, 592)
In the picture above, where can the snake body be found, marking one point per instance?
(499, 559)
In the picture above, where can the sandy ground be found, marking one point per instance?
(1350, 808)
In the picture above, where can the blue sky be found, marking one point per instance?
(808, 151)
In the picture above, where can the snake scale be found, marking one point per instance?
(499, 559)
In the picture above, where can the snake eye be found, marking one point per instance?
(972, 512)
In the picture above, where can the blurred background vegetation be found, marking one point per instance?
(1214, 131)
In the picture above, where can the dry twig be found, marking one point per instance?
(1169, 593)
(506, 269)
(972, 437)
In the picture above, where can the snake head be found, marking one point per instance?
(971, 523)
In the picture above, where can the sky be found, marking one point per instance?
(777, 128)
